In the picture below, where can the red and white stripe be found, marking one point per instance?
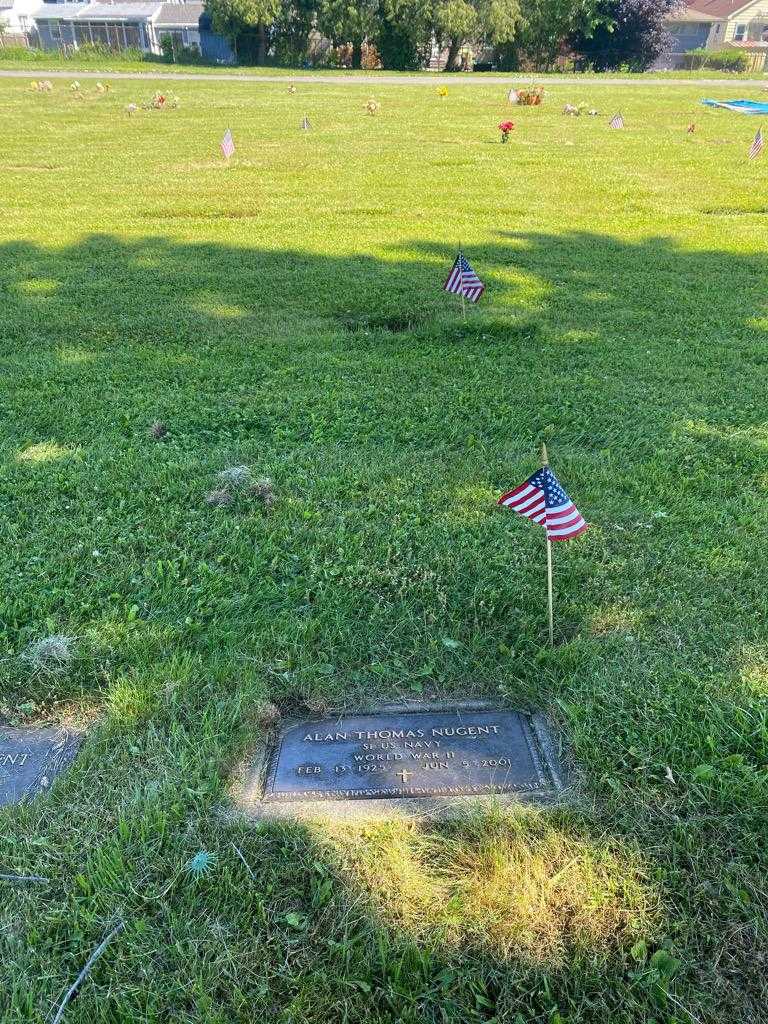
(462, 280)
(564, 522)
(527, 501)
(227, 145)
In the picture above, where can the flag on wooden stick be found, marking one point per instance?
(757, 146)
(227, 145)
(543, 500)
(463, 281)
(617, 121)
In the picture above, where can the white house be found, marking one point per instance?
(721, 25)
(17, 16)
(117, 25)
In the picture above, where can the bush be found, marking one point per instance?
(24, 54)
(718, 60)
(99, 51)
(176, 52)
(333, 57)
(87, 52)
(398, 49)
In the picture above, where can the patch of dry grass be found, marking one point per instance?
(517, 885)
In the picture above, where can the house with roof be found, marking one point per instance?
(720, 25)
(118, 24)
(17, 19)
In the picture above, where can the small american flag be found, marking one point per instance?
(227, 145)
(617, 121)
(757, 146)
(305, 125)
(542, 499)
(462, 280)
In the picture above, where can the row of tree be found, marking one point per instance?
(528, 34)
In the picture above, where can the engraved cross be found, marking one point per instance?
(404, 775)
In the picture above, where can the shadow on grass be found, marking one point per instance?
(355, 381)
(389, 426)
(501, 914)
(595, 284)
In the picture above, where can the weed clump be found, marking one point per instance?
(158, 430)
(51, 654)
(263, 490)
(219, 497)
(235, 476)
(237, 484)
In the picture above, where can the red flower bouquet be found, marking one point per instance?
(505, 128)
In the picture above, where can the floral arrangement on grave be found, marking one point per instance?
(530, 97)
(372, 107)
(505, 128)
(442, 92)
(158, 101)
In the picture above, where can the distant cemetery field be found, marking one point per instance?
(251, 452)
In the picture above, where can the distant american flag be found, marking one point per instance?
(542, 499)
(757, 146)
(617, 121)
(227, 144)
(462, 280)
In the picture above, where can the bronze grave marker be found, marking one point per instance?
(30, 759)
(400, 754)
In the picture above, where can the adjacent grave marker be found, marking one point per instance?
(30, 759)
(403, 754)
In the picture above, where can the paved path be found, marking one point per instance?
(572, 81)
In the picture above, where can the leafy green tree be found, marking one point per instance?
(632, 34)
(404, 33)
(246, 23)
(544, 26)
(290, 31)
(347, 21)
(454, 21)
(458, 22)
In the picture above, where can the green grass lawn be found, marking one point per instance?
(286, 313)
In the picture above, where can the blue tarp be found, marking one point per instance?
(740, 106)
